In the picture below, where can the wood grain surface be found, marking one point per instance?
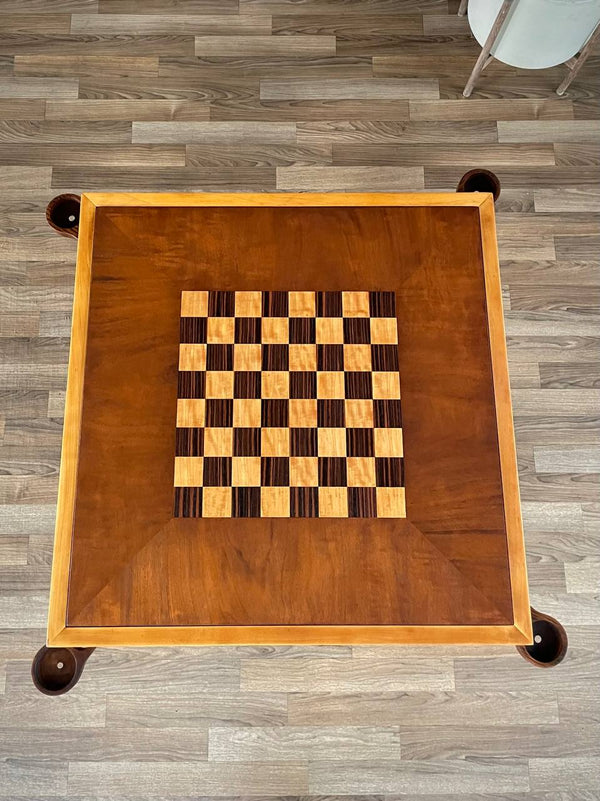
(306, 721)
(445, 565)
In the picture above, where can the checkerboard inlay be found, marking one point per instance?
(289, 406)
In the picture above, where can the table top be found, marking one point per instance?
(288, 421)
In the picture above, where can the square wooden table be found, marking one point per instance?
(288, 420)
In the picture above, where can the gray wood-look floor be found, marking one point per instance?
(300, 95)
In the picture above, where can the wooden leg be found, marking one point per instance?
(62, 214)
(462, 9)
(55, 671)
(550, 641)
(485, 50)
(579, 61)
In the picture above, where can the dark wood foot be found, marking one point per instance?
(57, 670)
(550, 641)
(480, 180)
(62, 214)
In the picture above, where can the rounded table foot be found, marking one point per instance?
(62, 214)
(550, 641)
(479, 180)
(57, 670)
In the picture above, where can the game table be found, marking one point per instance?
(287, 421)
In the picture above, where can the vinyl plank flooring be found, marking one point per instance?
(265, 45)
(84, 65)
(577, 154)
(417, 777)
(260, 744)
(100, 744)
(225, 133)
(64, 132)
(406, 151)
(577, 247)
(557, 375)
(209, 90)
(572, 460)
(230, 68)
(348, 179)
(251, 108)
(136, 110)
(41, 88)
(170, 779)
(19, 109)
(28, 778)
(183, 179)
(479, 743)
(301, 7)
(558, 774)
(268, 155)
(258, 95)
(402, 133)
(35, 23)
(572, 199)
(92, 155)
(197, 710)
(340, 89)
(172, 6)
(583, 577)
(306, 675)
(549, 131)
(101, 44)
(425, 709)
(493, 110)
(189, 24)
(13, 176)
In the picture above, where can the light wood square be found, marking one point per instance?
(303, 357)
(304, 471)
(355, 304)
(388, 442)
(330, 385)
(219, 384)
(190, 412)
(391, 502)
(248, 304)
(216, 502)
(245, 471)
(359, 413)
(246, 413)
(361, 471)
(189, 471)
(218, 441)
(275, 502)
(194, 304)
(275, 331)
(275, 384)
(303, 413)
(386, 385)
(331, 441)
(330, 330)
(384, 331)
(302, 304)
(275, 442)
(357, 358)
(333, 502)
(247, 357)
(220, 330)
(192, 357)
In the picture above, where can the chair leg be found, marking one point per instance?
(579, 61)
(485, 50)
(462, 9)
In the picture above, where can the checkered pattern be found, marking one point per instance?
(289, 406)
